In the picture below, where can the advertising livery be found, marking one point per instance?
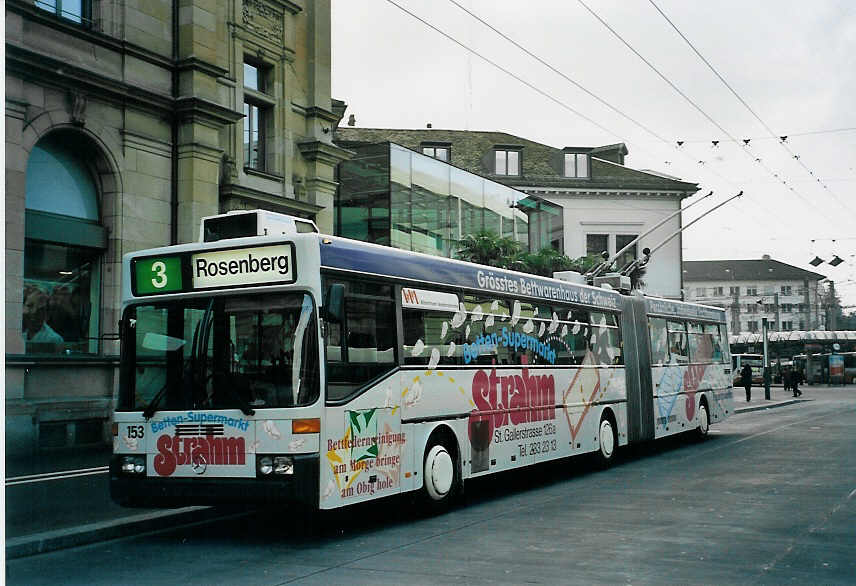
(277, 366)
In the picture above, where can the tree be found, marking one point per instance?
(487, 248)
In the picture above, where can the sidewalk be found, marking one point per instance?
(73, 511)
(778, 398)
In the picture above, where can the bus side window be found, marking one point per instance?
(659, 335)
(363, 346)
(607, 338)
(711, 332)
(426, 331)
(678, 351)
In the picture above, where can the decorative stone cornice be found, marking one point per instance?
(315, 150)
(322, 114)
(194, 64)
(270, 201)
(49, 71)
(200, 110)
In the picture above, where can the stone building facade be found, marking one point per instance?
(126, 122)
(750, 290)
(585, 200)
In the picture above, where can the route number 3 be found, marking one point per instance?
(159, 269)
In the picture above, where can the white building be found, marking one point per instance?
(751, 290)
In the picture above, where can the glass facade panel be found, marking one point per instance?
(545, 224)
(364, 196)
(394, 196)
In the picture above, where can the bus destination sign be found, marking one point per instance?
(264, 265)
(234, 267)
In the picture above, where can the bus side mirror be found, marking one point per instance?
(335, 310)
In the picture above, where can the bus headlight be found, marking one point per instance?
(134, 465)
(283, 465)
(274, 465)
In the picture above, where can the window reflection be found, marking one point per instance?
(60, 293)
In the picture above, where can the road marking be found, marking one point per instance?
(30, 478)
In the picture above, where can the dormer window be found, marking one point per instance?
(576, 165)
(441, 152)
(507, 162)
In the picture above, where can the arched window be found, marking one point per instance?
(63, 248)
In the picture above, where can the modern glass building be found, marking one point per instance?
(397, 197)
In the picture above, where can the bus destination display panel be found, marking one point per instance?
(234, 267)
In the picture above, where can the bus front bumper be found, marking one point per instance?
(301, 488)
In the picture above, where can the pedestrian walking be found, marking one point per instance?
(786, 379)
(746, 374)
(796, 379)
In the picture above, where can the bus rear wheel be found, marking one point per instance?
(607, 442)
(441, 476)
(703, 421)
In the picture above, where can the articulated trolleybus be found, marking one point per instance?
(270, 363)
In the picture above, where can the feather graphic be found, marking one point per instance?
(515, 313)
(554, 323)
(270, 428)
(435, 359)
(418, 348)
(459, 317)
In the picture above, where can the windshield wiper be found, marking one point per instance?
(150, 409)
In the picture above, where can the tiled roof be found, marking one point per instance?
(745, 270)
(541, 165)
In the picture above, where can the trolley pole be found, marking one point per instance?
(764, 328)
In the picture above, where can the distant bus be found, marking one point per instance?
(299, 367)
(755, 361)
(818, 369)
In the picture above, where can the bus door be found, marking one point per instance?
(637, 363)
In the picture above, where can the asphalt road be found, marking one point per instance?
(769, 498)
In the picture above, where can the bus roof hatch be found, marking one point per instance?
(244, 223)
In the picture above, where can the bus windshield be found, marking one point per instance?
(240, 352)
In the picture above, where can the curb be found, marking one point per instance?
(770, 405)
(27, 545)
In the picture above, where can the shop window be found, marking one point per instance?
(62, 249)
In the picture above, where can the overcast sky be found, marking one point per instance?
(793, 63)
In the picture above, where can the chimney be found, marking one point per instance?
(351, 120)
(765, 257)
(428, 125)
